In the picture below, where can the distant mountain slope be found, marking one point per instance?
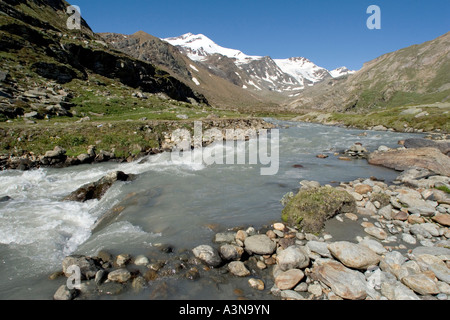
(418, 74)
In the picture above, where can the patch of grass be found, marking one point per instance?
(444, 188)
(310, 208)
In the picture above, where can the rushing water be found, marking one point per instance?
(182, 203)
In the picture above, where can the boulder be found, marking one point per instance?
(88, 266)
(259, 244)
(96, 190)
(289, 279)
(346, 283)
(292, 257)
(427, 158)
(238, 268)
(310, 208)
(353, 255)
(208, 255)
(443, 146)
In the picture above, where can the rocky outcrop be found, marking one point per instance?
(96, 190)
(402, 159)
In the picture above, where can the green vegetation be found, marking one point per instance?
(444, 188)
(310, 208)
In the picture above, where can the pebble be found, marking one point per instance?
(256, 284)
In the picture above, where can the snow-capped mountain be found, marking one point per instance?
(340, 72)
(198, 47)
(288, 76)
(303, 70)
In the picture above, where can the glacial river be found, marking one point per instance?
(181, 202)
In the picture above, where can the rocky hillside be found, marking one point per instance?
(38, 50)
(416, 75)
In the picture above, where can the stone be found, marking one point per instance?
(96, 190)
(257, 284)
(238, 268)
(441, 252)
(353, 255)
(63, 293)
(292, 257)
(259, 244)
(289, 279)
(315, 289)
(427, 158)
(363, 188)
(421, 284)
(111, 288)
(208, 255)
(344, 282)
(376, 232)
(123, 259)
(279, 226)
(373, 245)
(120, 275)
(227, 237)
(351, 216)
(230, 252)
(443, 146)
(139, 283)
(418, 230)
(141, 260)
(291, 295)
(319, 247)
(442, 219)
(241, 235)
(397, 291)
(88, 267)
(406, 237)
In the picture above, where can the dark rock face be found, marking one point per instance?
(426, 158)
(443, 146)
(96, 190)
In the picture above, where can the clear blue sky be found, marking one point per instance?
(331, 33)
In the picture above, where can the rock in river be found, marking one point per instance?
(96, 190)
(208, 255)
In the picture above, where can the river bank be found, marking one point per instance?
(399, 249)
(73, 144)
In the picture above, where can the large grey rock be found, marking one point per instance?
(443, 146)
(427, 158)
(259, 244)
(353, 255)
(208, 255)
(344, 282)
(292, 257)
(319, 247)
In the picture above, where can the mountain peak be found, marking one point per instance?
(198, 47)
